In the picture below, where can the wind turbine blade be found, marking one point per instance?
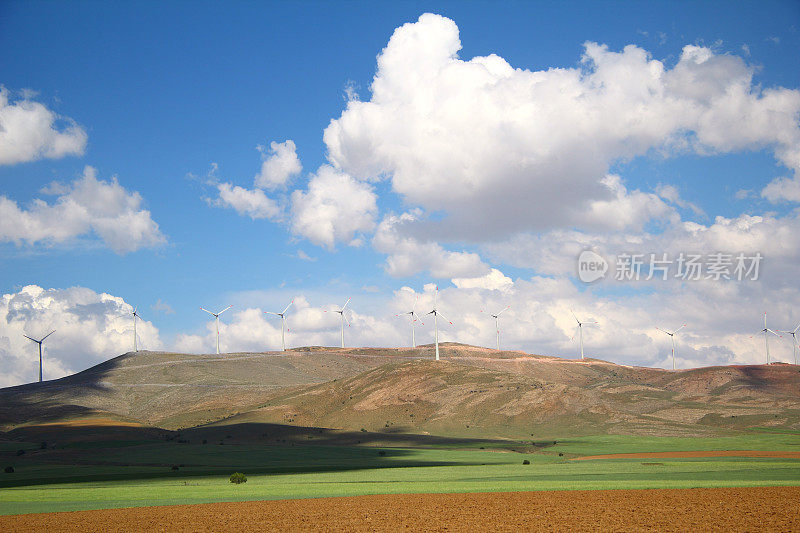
(287, 307)
(43, 338)
(767, 330)
(345, 304)
(441, 315)
(573, 316)
(271, 313)
(663, 330)
(506, 308)
(795, 329)
(224, 310)
(207, 311)
(34, 340)
(345, 319)
(680, 328)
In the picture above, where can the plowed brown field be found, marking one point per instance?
(724, 509)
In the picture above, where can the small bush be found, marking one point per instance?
(526, 462)
(363, 430)
(238, 477)
(382, 453)
(20, 452)
(43, 446)
(9, 470)
(175, 468)
(560, 454)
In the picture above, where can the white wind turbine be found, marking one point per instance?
(216, 316)
(793, 333)
(344, 318)
(282, 314)
(672, 336)
(135, 316)
(436, 314)
(39, 342)
(414, 318)
(580, 329)
(766, 331)
(497, 323)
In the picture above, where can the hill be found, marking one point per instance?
(471, 393)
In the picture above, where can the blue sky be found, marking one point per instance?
(174, 98)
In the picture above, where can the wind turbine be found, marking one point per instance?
(283, 323)
(766, 331)
(497, 324)
(40, 350)
(793, 333)
(436, 315)
(672, 335)
(580, 329)
(344, 318)
(216, 316)
(414, 318)
(135, 316)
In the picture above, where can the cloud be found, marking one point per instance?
(499, 149)
(278, 166)
(783, 190)
(85, 206)
(29, 131)
(247, 202)
(305, 257)
(90, 328)
(162, 307)
(494, 280)
(409, 256)
(334, 208)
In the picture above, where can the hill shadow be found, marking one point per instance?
(114, 453)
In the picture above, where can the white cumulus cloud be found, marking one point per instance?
(90, 328)
(335, 207)
(85, 206)
(279, 166)
(29, 131)
(253, 203)
(500, 149)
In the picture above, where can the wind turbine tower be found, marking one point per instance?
(580, 329)
(497, 323)
(135, 316)
(344, 318)
(766, 331)
(216, 316)
(39, 342)
(672, 336)
(414, 318)
(282, 314)
(793, 333)
(436, 314)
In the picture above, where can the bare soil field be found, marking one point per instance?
(724, 509)
(689, 455)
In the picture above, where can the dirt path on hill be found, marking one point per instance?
(725, 509)
(688, 455)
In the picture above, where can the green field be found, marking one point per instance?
(132, 473)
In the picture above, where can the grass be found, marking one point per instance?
(59, 480)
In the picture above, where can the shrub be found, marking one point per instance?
(526, 462)
(363, 430)
(382, 453)
(9, 470)
(560, 454)
(43, 446)
(20, 452)
(238, 477)
(174, 468)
